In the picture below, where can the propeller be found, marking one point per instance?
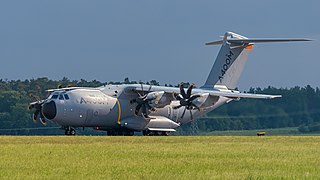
(37, 105)
(186, 99)
(143, 103)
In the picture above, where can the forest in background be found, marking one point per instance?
(298, 107)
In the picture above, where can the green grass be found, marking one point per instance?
(292, 131)
(200, 157)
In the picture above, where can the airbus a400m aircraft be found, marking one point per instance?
(154, 110)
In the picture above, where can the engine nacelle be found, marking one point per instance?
(205, 100)
(158, 99)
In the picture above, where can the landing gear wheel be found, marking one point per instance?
(70, 131)
(110, 133)
(155, 133)
(120, 133)
(164, 133)
(146, 133)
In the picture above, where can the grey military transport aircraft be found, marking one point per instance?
(152, 110)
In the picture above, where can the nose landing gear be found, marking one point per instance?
(69, 131)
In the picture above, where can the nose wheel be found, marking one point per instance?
(69, 131)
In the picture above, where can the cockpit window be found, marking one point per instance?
(61, 97)
(55, 96)
(66, 96)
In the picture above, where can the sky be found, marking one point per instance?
(162, 40)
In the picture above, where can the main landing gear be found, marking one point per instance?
(120, 133)
(155, 133)
(69, 131)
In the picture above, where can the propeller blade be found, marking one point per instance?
(195, 106)
(184, 111)
(43, 121)
(148, 106)
(193, 97)
(189, 91)
(35, 115)
(34, 98)
(137, 109)
(141, 88)
(144, 111)
(149, 88)
(177, 107)
(178, 97)
(133, 101)
(182, 92)
(191, 116)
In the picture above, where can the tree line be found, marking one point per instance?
(298, 107)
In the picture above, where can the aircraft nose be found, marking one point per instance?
(49, 110)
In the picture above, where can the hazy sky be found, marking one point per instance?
(163, 40)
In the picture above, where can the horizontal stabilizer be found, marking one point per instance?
(247, 41)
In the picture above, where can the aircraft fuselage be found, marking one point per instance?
(107, 106)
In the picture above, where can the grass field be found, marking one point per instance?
(290, 131)
(175, 157)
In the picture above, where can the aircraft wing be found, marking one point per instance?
(67, 89)
(170, 91)
(237, 95)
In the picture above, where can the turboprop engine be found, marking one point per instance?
(149, 102)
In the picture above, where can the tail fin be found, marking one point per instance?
(232, 57)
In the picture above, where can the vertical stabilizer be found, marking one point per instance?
(227, 68)
(230, 61)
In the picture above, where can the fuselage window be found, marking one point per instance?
(55, 96)
(61, 97)
(66, 96)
